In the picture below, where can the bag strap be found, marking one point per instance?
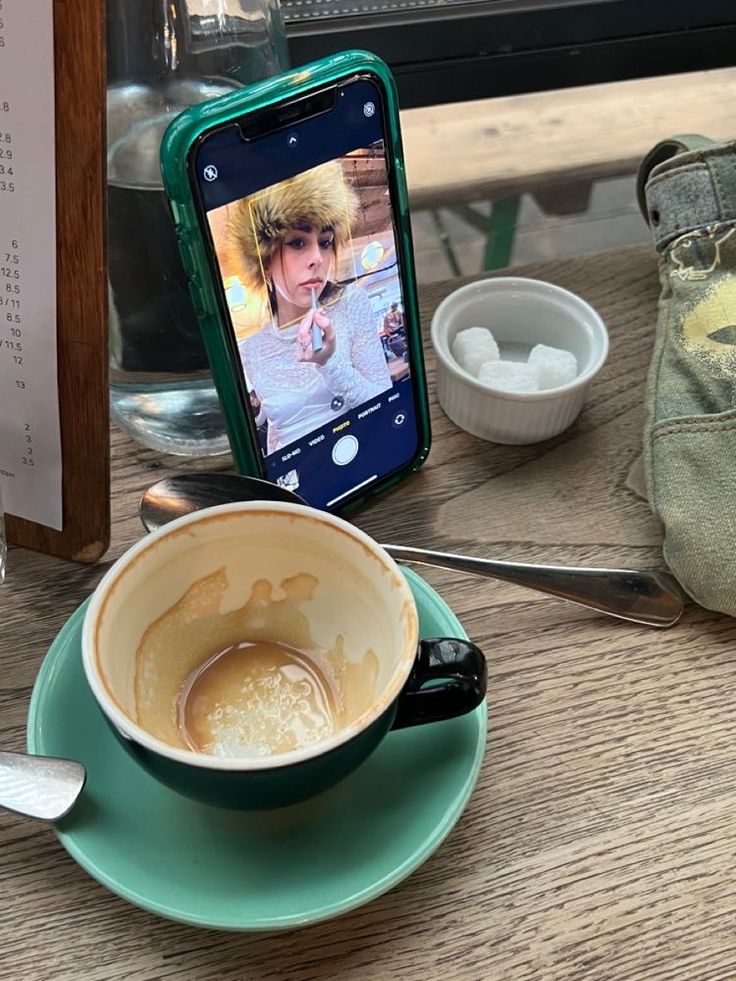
(661, 153)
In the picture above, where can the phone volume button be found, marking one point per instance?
(189, 260)
(196, 294)
(188, 256)
(185, 249)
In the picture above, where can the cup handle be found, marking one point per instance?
(459, 676)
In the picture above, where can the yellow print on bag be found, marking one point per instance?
(709, 329)
(703, 262)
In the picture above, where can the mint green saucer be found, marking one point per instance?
(255, 871)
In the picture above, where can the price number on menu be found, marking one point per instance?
(10, 302)
(11, 336)
(7, 163)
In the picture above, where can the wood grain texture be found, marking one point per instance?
(490, 148)
(599, 843)
(79, 46)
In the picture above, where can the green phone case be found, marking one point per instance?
(180, 138)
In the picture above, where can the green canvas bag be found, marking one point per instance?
(687, 192)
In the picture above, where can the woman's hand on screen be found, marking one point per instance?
(305, 350)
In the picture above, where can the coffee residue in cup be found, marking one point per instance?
(256, 699)
(195, 648)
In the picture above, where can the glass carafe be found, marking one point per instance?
(163, 56)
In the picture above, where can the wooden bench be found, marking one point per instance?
(497, 149)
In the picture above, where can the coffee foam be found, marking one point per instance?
(255, 700)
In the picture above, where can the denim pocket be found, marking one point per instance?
(694, 364)
(691, 485)
(690, 446)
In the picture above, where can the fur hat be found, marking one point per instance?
(320, 197)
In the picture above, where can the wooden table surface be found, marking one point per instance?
(600, 838)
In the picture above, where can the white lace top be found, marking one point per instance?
(299, 397)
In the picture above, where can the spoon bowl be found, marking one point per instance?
(42, 787)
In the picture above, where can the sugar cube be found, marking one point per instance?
(510, 376)
(472, 347)
(474, 361)
(555, 366)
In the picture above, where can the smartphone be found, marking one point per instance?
(292, 218)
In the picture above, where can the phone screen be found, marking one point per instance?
(303, 231)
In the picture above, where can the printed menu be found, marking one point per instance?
(30, 439)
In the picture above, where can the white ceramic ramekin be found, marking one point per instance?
(520, 313)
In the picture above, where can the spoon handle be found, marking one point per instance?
(39, 786)
(653, 598)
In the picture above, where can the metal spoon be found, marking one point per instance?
(651, 597)
(39, 786)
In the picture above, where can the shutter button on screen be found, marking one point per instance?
(345, 450)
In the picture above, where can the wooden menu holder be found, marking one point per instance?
(79, 60)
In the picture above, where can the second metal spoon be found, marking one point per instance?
(652, 598)
(39, 786)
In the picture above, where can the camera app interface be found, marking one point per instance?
(311, 281)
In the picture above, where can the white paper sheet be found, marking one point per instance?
(30, 442)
